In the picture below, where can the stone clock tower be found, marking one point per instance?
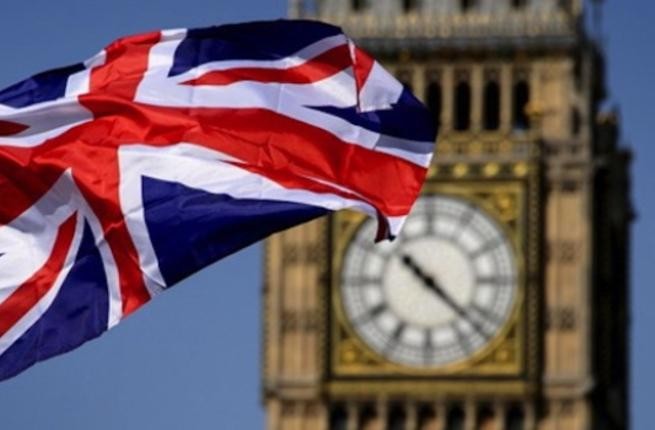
(504, 303)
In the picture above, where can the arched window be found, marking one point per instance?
(433, 100)
(396, 418)
(407, 83)
(466, 5)
(426, 417)
(338, 417)
(514, 418)
(519, 4)
(484, 419)
(406, 77)
(491, 106)
(576, 122)
(367, 416)
(462, 106)
(520, 100)
(455, 419)
(409, 5)
(358, 5)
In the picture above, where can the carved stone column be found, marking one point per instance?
(321, 417)
(382, 410)
(477, 84)
(448, 105)
(352, 416)
(470, 414)
(442, 413)
(273, 414)
(530, 417)
(411, 421)
(505, 81)
(499, 415)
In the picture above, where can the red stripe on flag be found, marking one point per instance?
(124, 68)
(8, 128)
(276, 143)
(321, 67)
(26, 296)
(272, 142)
(103, 197)
(126, 62)
(20, 186)
(363, 65)
(26, 174)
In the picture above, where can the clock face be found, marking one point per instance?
(437, 294)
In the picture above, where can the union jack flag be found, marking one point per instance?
(169, 150)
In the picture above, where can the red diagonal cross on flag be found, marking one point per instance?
(170, 150)
(264, 140)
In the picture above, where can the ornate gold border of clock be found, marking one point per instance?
(508, 189)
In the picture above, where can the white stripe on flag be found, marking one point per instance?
(33, 315)
(206, 170)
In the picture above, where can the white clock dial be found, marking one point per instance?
(436, 295)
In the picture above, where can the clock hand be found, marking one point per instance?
(430, 283)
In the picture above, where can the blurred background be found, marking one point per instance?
(522, 90)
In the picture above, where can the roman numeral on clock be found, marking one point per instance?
(486, 247)
(358, 281)
(463, 221)
(428, 347)
(371, 314)
(498, 280)
(394, 340)
(462, 340)
(486, 315)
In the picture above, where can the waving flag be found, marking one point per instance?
(124, 174)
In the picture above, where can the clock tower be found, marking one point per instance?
(504, 302)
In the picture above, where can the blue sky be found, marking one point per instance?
(190, 359)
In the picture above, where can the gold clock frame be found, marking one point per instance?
(509, 193)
